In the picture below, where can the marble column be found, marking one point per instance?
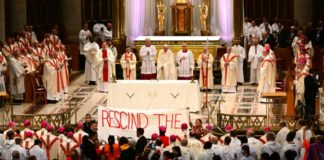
(118, 21)
(238, 18)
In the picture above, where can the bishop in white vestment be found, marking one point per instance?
(128, 63)
(186, 63)
(91, 52)
(255, 57)
(148, 54)
(205, 63)
(166, 69)
(229, 71)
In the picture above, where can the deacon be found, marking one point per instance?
(17, 77)
(52, 78)
(255, 58)
(148, 53)
(104, 68)
(205, 63)
(186, 63)
(128, 63)
(166, 69)
(240, 54)
(91, 52)
(267, 81)
(229, 71)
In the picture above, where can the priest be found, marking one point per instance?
(91, 52)
(267, 81)
(240, 54)
(255, 57)
(52, 78)
(148, 54)
(186, 63)
(63, 61)
(166, 69)
(229, 71)
(205, 63)
(104, 68)
(128, 63)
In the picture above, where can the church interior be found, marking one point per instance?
(234, 65)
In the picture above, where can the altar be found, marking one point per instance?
(153, 94)
(195, 43)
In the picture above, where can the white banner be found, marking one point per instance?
(124, 122)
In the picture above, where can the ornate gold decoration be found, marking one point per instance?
(203, 8)
(161, 11)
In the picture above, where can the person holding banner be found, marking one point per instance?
(104, 68)
(205, 63)
(148, 53)
(166, 69)
(229, 71)
(186, 63)
(128, 63)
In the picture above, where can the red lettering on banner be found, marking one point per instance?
(177, 121)
(142, 116)
(159, 118)
(169, 121)
(134, 119)
(117, 116)
(104, 115)
(121, 126)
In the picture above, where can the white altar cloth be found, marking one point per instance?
(153, 94)
(179, 38)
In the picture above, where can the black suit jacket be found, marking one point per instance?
(140, 145)
(310, 88)
(89, 150)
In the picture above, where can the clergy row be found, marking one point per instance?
(31, 64)
(45, 143)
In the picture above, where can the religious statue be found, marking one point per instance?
(203, 16)
(161, 10)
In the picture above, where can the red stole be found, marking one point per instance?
(58, 73)
(61, 58)
(48, 144)
(67, 150)
(105, 69)
(227, 59)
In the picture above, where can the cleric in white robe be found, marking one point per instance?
(104, 68)
(229, 71)
(240, 53)
(166, 69)
(113, 49)
(205, 63)
(255, 58)
(186, 63)
(148, 55)
(3, 69)
(84, 37)
(91, 51)
(128, 63)
(17, 77)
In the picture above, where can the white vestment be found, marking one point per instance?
(240, 53)
(77, 136)
(228, 153)
(253, 32)
(270, 147)
(66, 148)
(206, 78)
(40, 133)
(84, 38)
(267, 81)
(22, 151)
(195, 146)
(28, 143)
(166, 61)
(206, 154)
(186, 65)
(229, 72)
(51, 144)
(91, 51)
(282, 135)
(128, 63)
(104, 75)
(148, 60)
(115, 53)
(256, 143)
(290, 146)
(186, 153)
(17, 78)
(255, 55)
(22, 133)
(38, 152)
(302, 135)
(3, 68)
(52, 79)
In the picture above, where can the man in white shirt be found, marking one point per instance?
(18, 147)
(148, 54)
(186, 63)
(255, 57)
(37, 151)
(84, 37)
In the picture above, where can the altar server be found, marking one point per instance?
(267, 81)
(17, 77)
(52, 78)
(255, 58)
(240, 53)
(51, 143)
(166, 69)
(186, 63)
(128, 63)
(91, 52)
(104, 68)
(229, 71)
(148, 55)
(205, 63)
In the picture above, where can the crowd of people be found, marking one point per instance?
(194, 143)
(30, 65)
